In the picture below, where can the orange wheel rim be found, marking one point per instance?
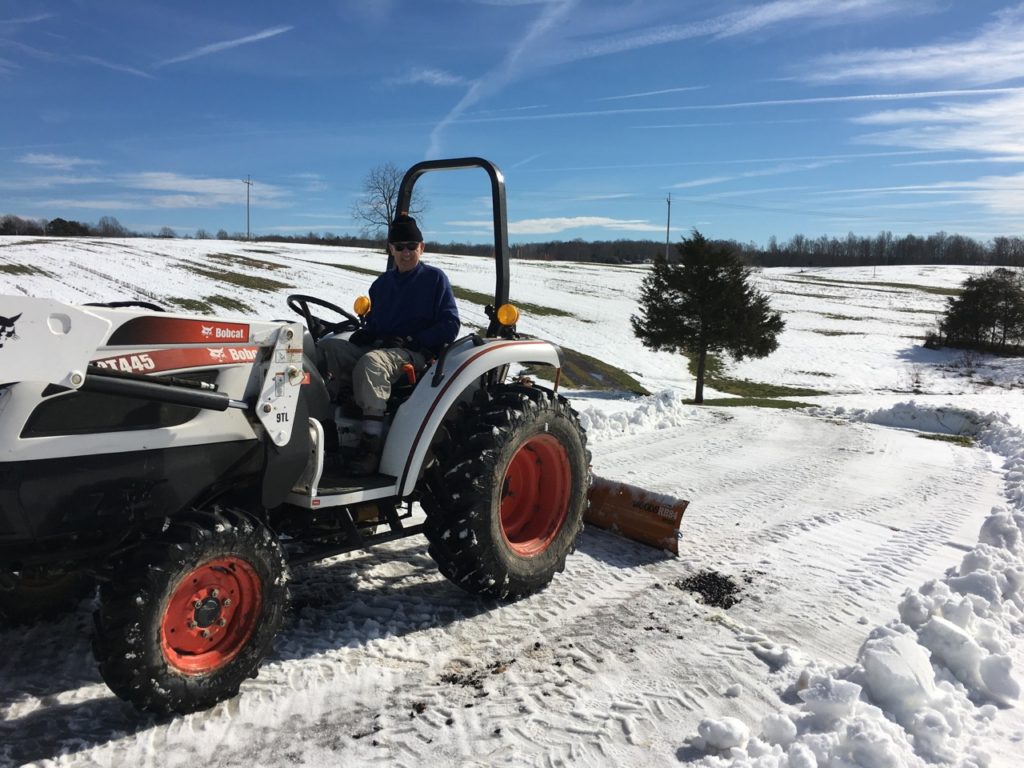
(211, 615)
(535, 495)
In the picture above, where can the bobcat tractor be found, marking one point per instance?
(184, 462)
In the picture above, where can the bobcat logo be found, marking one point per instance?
(7, 328)
(206, 330)
(216, 354)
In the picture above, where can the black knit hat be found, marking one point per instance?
(403, 229)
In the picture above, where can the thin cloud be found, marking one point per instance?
(963, 161)
(200, 192)
(702, 182)
(527, 160)
(644, 94)
(988, 126)
(116, 67)
(50, 182)
(427, 76)
(102, 204)
(28, 19)
(550, 226)
(852, 98)
(545, 43)
(548, 41)
(506, 72)
(995, 54)
(736, 23)
(554, 225)
(207, 50)
(54, 162)
(843, 157)
(1000, 195)
(773, 171)
(609, 196)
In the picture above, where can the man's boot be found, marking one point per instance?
(371, 444)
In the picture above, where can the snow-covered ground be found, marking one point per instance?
(880, 575)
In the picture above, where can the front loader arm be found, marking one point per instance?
(47, 341)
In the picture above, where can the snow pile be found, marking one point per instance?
(924, 688)
(909, 415)
(662, 410)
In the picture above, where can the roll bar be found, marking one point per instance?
(497, 205)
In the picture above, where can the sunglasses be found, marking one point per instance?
(410, 246)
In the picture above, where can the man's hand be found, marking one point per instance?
(361, 338)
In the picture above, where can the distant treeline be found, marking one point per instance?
(798, 251)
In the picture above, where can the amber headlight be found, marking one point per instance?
(508, 315)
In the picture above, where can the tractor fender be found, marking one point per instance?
(419, 417)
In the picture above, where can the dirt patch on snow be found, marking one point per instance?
(713, 588)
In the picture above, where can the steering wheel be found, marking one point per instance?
(318, 327)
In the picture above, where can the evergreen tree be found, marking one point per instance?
(989, 314)
(705, 303)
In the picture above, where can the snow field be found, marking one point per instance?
(880, 574)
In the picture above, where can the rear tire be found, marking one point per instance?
(191, 612)
(506, 496)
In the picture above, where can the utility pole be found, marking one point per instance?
(248, 183)
(668, 223)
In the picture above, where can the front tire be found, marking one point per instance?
(506, 497)
(191, 612)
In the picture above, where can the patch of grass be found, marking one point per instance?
(229, 303)
(244, 261)
(197, 306)
(34, 241)
(22, 269)
(904, 286)
(827, 296)
(580, 371)
(251, 282)
(825, 332)
(962, 440)
(358, 270)
(919, 311)
(208, 304)
(836, 316)
(744, 388)
(524, 306)
(756, 402)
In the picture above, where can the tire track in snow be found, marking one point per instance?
(380, 648)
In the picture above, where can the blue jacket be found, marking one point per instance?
(417, 304)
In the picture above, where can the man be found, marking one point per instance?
(412, 317)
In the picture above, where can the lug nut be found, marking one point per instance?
(205, 633)
(221, 622)
(191, 625)
(214, 593)
(197, 604)
(227, 601)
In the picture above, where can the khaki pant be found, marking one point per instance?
(364, 372)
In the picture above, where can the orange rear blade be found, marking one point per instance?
(644, 516)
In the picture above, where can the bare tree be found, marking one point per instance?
(375, 208)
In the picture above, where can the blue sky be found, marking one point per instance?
(757, 118)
